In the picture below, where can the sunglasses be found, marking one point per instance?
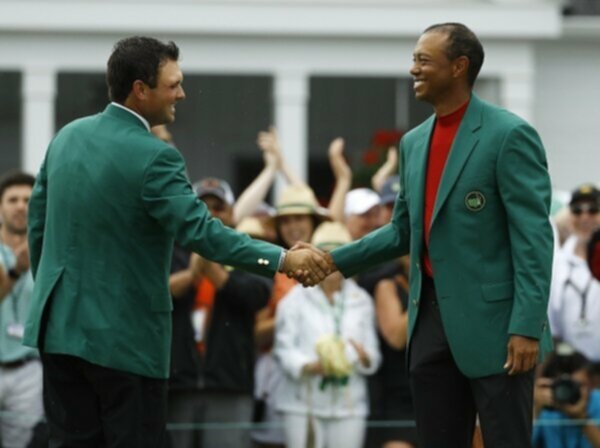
(579, 209)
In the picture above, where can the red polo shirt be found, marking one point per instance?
(439, 149)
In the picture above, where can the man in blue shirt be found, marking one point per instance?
(566, 417)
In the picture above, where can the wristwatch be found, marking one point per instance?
(14, 274)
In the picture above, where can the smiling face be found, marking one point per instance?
(435, 76)
(13, 208)
(295, 228)
(158, 103)
(431, 69)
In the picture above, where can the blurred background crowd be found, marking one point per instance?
(261, 363)
(268, 363)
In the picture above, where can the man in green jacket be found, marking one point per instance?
(107, 205)
(473, 213)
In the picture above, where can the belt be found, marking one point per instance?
(16, 363)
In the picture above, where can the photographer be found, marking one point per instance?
(566, 409)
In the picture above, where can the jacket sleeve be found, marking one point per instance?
(387, 242)
(287, 337)
(36, 219)
(168, 197)
(524, 187)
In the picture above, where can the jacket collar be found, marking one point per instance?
(121, 112)
(464, 143)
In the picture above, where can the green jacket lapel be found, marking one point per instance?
(421, 156)
(464, 143)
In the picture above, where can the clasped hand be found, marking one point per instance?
(307, 264)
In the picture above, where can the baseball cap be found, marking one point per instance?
(211, 186)
(390, 189)
(360, 200)
(585, 192)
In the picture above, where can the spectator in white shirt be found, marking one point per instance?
(574, 308)
(326, 342)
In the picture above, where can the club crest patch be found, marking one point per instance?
(475, 201)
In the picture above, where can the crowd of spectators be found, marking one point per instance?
(268, 363)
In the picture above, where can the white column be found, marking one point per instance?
(38, 92)
(517, 94)
(291, 119)
(517, 89)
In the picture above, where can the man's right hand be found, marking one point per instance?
(307, 264)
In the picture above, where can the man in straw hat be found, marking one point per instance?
(473, 213)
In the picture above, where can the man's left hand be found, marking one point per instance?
(306, 264)
(522, 354)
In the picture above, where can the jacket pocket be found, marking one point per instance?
(494, 292)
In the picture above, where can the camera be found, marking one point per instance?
(565, 391)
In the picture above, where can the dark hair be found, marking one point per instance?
(136, 58)
(14, 178)
(462, 42)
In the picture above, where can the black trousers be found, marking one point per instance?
(90, 406)
(446, 402)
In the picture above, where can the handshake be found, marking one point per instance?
(307, 264)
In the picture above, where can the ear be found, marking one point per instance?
(139, 89)
(461, 67)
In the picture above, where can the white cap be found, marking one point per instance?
(360, 201)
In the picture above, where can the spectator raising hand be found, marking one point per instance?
(343, 179)
(269, 145)
(389, 168)
(256, 192)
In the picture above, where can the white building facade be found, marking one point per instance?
(538, 64)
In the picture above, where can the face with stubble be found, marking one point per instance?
(434, 74)
(13, 208)
(158, 105)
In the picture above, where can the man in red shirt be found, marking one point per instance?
(473, 213)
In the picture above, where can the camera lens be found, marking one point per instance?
(565, 391)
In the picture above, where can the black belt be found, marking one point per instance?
(16, 363)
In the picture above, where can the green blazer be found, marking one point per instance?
(490, 243)
(107, 205)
